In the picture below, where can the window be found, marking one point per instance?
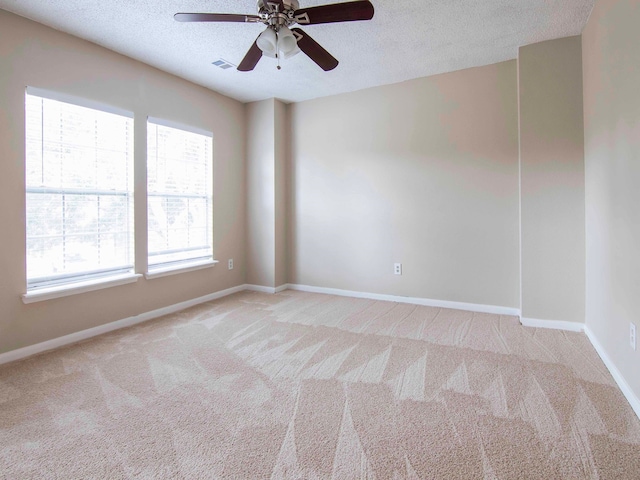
(179, 195)
(79, 190)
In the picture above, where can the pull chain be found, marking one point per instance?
(277, 52)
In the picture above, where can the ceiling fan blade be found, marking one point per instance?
(315, 52)
(215, 17)
(251, 59)
(337, 12)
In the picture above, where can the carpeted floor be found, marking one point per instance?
(307, 386)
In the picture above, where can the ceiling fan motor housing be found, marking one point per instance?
(288, 5)
(278, 13)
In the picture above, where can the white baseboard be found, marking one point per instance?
(260, 288)
(263, 289)
(24, 352)
(143, 317)
(615, 373)
(471, 307)
(109, 327)
(553, 324)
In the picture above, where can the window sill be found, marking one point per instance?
(186, 267)
(50, 293)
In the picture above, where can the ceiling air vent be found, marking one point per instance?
(223, 64)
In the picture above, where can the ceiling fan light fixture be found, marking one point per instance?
(290, 54)
(287, 43)
(267, 42)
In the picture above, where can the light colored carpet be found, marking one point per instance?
(307, 386)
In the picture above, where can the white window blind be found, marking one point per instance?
(79, 191)
(180, 195)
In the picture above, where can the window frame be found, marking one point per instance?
(54, 286)
(182, 265)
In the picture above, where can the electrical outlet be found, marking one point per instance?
(397, 269)
(632, 335)
(231, 264)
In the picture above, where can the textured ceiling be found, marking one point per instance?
(406, 39)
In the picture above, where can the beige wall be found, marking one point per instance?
(611, 63)
(552, 180)
(424, 173)
(281, 122)
(267, 141)
(32, 54)
(261, 193)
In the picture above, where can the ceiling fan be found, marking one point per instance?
(278, 40)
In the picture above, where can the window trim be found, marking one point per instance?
(78, 101)
(183, 267)
(179, 126)
(187, 265)
(68, 289)
(83, 285)
(50, 289)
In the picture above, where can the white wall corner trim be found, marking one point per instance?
(552, 324)
(263, 289)
(615, 373)
(260, 288)
(471, 307)
(20, 353)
